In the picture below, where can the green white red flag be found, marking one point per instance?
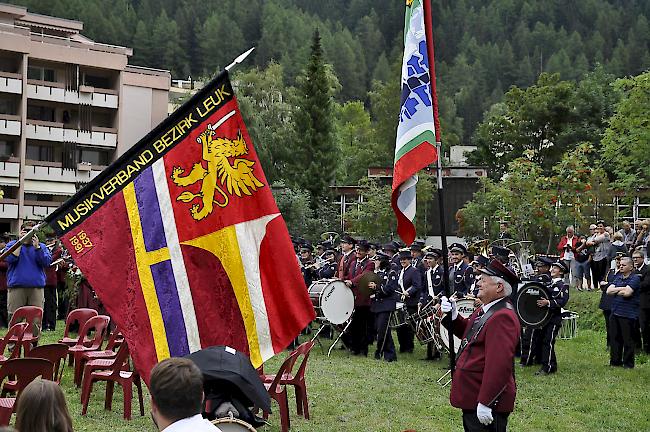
(416, 139)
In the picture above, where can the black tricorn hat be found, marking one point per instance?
(363, 245)
(496, 268)
(562, 266)
(348, 239)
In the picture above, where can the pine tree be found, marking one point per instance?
(316, 156)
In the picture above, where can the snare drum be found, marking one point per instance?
(465, 307)
(399, 316)
(569, 328)
(228, 424)
(333, 301)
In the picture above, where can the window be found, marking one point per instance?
(41, 73)
(38, 197)
(41, 113)
(6, 148)
(96, 81)
(39, 152)
(95, 157)
(7, 106)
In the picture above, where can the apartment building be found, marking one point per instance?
(69, 106)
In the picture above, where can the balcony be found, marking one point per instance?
(53, 172)
(39, 209)
(52, 131)
(9, 124)
(56, 92)
(8, 209)
(11, 83)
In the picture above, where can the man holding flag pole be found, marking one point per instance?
(484, 385)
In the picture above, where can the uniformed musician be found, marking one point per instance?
(531, 338)
(307, 264)
(483, 384)
(328, 269)
(410, 282)
(460, 274)
(362, 318)
(348, 258)
(384, 298)
(433, 288)
(558, 297)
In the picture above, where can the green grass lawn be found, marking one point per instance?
(348, 393)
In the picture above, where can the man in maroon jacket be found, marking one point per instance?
(362, 320)
(483, 384)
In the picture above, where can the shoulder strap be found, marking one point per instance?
(473, 332)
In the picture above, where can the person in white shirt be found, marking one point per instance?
(176, 388)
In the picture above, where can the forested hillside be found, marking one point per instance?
(482, 48)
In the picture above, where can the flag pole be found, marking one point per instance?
(240, 58)
(428, 28)
(21, 241)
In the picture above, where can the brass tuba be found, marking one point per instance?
(479, 247)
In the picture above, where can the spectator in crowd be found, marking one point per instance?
(600, 260)
(581, 268)
(617, 248)
(567, 248)
(643, 271)
(625, 312)
(629, 235)
(26, 273)
(606, 300)
(642, 235)
(176, 387)
(42, 408)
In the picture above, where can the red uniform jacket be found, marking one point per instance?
(346, 265)
(361, 299)
(484, 370)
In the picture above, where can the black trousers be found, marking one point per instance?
(471, 423)
(63, 303)
(405, 333)
(598, 271)
(49, 310)
(622, 341)
(548, 336)
(644, 323)
(4, 316)
(385, 344)
(359, 338)
(530, 346)
(606, 314)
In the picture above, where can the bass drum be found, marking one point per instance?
(465, 307)
(531, 315)
(333, 301)
(228, 424)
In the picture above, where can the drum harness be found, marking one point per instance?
(476, 328)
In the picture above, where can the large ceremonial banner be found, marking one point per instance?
(183, 243)
(415, 144)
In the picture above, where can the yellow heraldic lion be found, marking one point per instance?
(237, 178)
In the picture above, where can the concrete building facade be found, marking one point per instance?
(69, 106)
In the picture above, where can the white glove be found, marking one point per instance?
(447, 305)
(484, 414)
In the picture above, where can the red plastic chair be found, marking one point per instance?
(297, 380)
(80, 315)
(55, 353)
(25, 370)
(16, 333)
(33, 316)
(98, 324)
(115, 373)
(278, 391)
(114, 342)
